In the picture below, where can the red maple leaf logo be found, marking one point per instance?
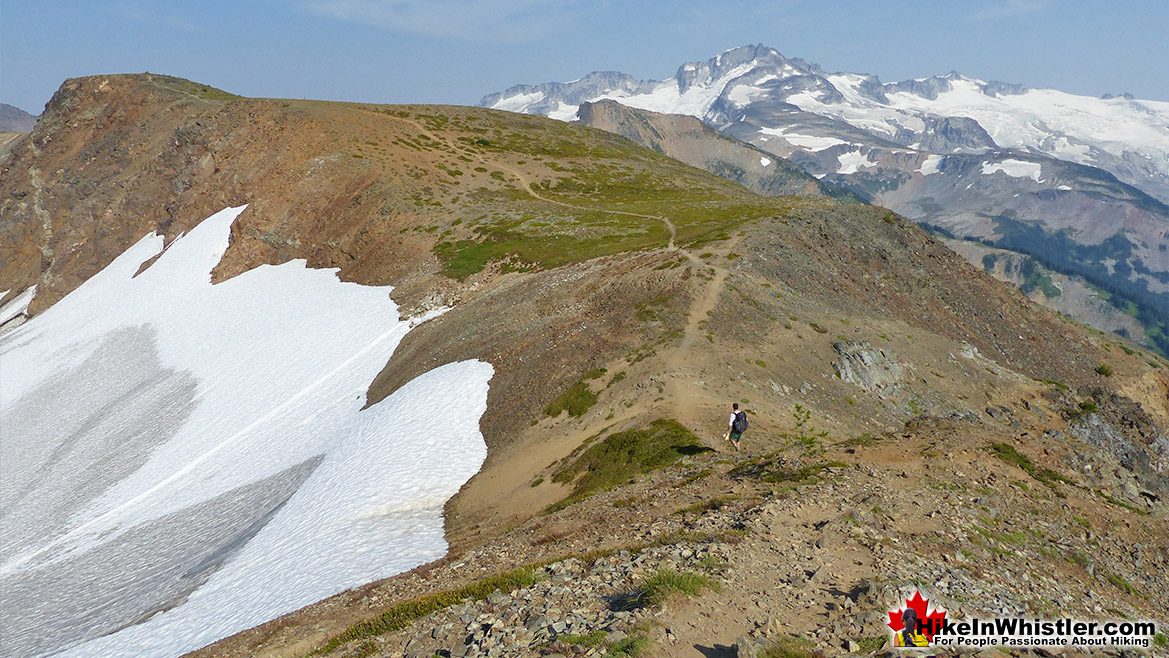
(930, 623)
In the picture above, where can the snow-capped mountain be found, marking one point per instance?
(943, 114)
(1078, 183)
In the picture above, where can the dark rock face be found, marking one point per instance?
(954, 135)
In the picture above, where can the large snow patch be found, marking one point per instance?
(180, 461)
(1014, 168)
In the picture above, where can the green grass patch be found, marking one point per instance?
(618, 198)
(666, 582)
(624, 455)
(704, 473)
(1008, 454)
(772, 471)
(703, 506)
(630, 647)
(787, 646)
(401, 615)
(872, 643)
(185, 88)
(1120, 503)
(1003, 537)
(1082, 409)
(366, 649)
(1104, 370)
(576, 401)
(1122, 585)
(862, 441)
(594, 639)
(712, 564)
(1079, 559)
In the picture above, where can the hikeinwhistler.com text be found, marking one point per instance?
(1020, 632)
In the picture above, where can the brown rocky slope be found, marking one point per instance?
(579, 264)
(689, 140)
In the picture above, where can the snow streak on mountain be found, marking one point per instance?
(181, 461)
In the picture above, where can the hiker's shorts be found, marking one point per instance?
(735, 436)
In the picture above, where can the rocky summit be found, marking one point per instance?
(917, 427)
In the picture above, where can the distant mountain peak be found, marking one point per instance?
(15, 120)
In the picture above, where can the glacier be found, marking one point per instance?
(180, 461)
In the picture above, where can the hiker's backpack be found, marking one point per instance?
(740, 421)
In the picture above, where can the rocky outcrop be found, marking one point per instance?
(952, 135)
(868, 367)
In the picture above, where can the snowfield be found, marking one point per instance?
(180, 461)
(929, 166)
(807, 142)
(852, 161)
(1014, 168)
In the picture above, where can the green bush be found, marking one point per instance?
(629, 647)
(1008, 454)
(594, 639)
(576, 400)
(664, 582)
(624, 455)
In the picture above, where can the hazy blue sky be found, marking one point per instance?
(456, 51)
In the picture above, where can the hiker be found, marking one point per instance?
(736, 426)
(909, 636)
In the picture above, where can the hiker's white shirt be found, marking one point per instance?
(731, 424)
